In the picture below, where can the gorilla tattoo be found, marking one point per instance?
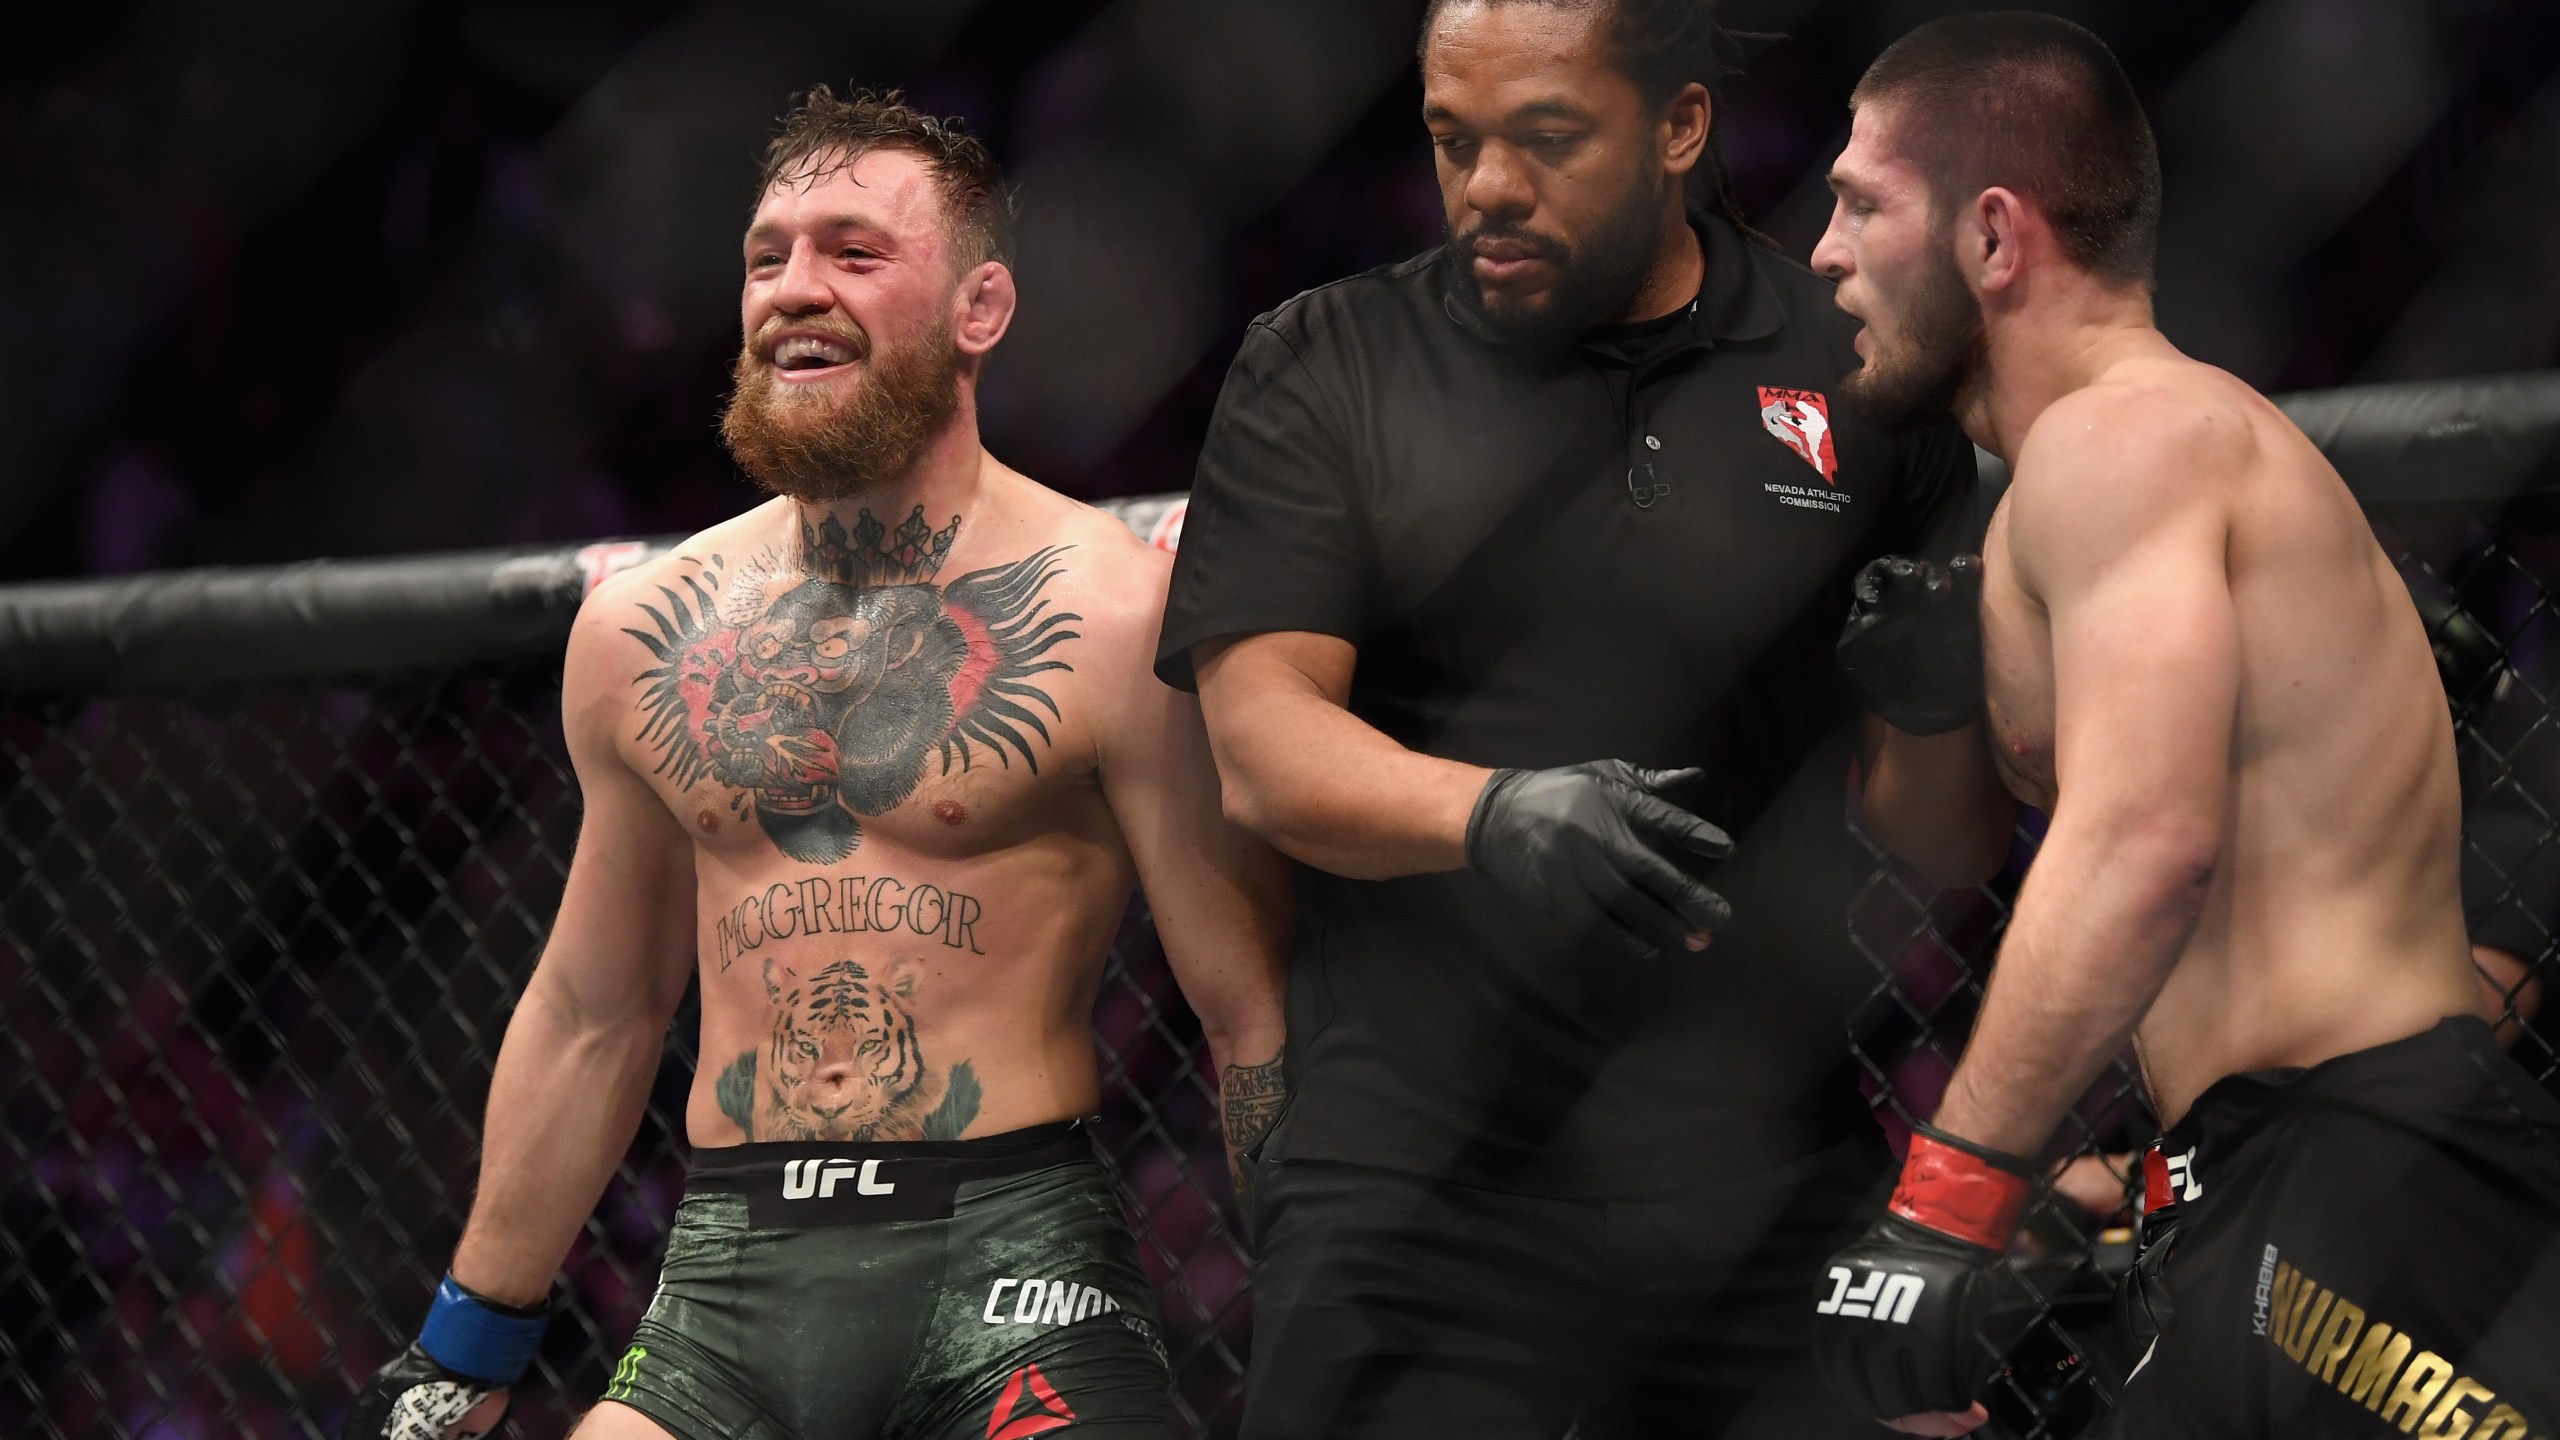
(823, 700)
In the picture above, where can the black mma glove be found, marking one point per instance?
(2142, 1300)
(452, 1382)
(1594, 841)
(1912, 650)
(1918, 1316)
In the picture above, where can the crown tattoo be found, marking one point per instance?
(875, 555)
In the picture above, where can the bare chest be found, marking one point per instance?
(805, 719)
(2017, 672)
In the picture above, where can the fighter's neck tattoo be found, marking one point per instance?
(819, 691)
(875, 555)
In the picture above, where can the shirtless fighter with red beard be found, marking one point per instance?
(880, 761)
(2203, 667)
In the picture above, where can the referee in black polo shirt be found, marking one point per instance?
(1473, 536)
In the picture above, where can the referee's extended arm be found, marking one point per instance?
(1323, 786)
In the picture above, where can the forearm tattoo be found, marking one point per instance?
(1251, 1098)
(821, 699)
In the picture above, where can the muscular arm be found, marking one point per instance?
(2121, 540)
(1221, 900)
(1936, 802)
(584, 1041)
(1319, 783)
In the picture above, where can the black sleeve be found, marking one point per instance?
(1275, 538)
(1936, 509)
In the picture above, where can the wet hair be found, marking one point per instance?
(2039, 106)
(821, 134)
(1663, 46)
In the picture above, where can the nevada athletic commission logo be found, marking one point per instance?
(1801, 421)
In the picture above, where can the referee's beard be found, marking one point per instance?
(1595, 277)
(849, 436)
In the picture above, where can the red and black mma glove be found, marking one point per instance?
(1917, 1316)
(452, 1382)
(1912, 650)
(2142, 1300)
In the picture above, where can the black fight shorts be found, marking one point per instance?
(937, 1290)
(2368, 1247)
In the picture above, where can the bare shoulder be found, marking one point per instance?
(2148, 444)
(1113, 580)
(623, 624)
(2159, 427)
(705, 561)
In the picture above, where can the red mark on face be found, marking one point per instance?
(950, 812)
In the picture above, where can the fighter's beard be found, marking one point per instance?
(1933, 365)
(814, 446)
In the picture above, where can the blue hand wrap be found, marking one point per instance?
(468, 1336)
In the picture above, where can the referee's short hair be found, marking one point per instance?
(2038, 106)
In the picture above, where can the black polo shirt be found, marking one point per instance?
(1642, 549)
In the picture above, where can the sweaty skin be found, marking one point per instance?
(2174, 553)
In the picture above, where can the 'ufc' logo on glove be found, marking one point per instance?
(1880, 1296)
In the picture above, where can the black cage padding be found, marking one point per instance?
(325, 619)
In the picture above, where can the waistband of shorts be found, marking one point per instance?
(749, 1167)
(2433, 1072)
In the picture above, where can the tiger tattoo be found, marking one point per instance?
(842, 1062)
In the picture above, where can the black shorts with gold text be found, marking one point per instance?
(931, 1290)
(2367, 1247)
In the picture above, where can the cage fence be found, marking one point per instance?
(264, 909)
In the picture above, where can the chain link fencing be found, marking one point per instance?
(264, 909)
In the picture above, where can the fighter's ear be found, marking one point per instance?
(1991, 239)
(982, 308)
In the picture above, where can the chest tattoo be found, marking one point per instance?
(821, 697)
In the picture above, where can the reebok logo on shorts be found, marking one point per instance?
(2371, 1365)
(1043, 1302)
(1029, 1405)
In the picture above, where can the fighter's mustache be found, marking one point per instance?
(787, 344)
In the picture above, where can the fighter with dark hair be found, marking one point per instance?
(1508, 569)
(878, 761)
(2202, 665)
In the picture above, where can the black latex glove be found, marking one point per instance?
(414, 1398)
(1911, 1320)
(1597, 841)
(1912, 650)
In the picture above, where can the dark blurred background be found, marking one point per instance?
(286, 278)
